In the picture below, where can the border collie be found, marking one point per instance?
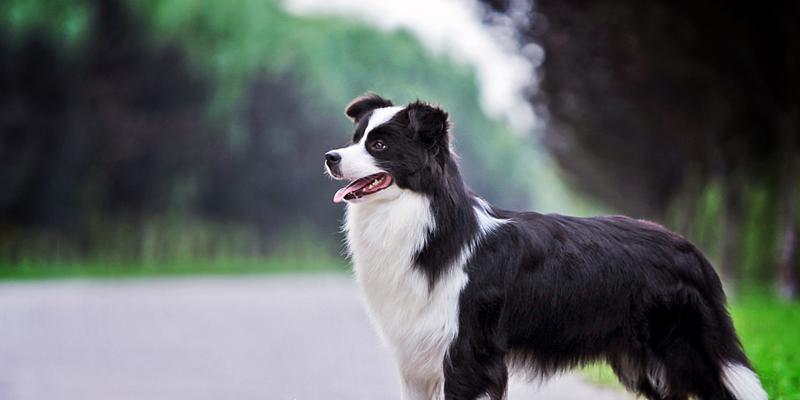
(464, 292)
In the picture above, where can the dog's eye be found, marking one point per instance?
(378, 146)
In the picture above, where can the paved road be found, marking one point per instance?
(282, 338)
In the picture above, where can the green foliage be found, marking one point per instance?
(64, 20)
(336, 60)
(269, 92)
(760, 233)
(699, 215)
(705, 229)
(122, 241)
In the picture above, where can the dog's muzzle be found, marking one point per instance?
(332, 160)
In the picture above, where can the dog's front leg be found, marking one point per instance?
(474, 370)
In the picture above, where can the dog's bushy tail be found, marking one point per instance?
(723, 345)
(742, 382)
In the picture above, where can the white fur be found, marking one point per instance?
(383, 237)
(356, 161)
(379, 117)
(486, 221)
(742, 382)
(657, 377)
(418, 324)
(384, 232)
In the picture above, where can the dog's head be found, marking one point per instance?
(393, 149)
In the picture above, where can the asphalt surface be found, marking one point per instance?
(278, 338)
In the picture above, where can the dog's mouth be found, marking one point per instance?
(363, 187)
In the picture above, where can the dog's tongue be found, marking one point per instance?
(352, 187)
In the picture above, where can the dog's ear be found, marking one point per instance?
(364, 104)
(429, 123)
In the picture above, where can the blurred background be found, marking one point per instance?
(155, 138)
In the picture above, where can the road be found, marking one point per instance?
(276, 338)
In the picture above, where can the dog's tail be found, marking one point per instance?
(723, 345)
(742, 382)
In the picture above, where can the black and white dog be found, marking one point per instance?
(462, 292)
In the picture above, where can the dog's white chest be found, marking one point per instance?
(417, 323)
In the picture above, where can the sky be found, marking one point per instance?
(453, 28)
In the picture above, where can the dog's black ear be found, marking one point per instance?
(428, 122)
(364, 104)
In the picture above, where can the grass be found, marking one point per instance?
(161, 247)
(34, 269)
(601, 374)
(770, 332)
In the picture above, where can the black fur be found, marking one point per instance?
(551, 292)
(360, 106)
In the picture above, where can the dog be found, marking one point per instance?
(464, 293)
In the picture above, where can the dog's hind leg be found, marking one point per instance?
(638, 375)
(699, 353)
(687, 370)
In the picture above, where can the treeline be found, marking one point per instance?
(160, 129)
(116, 131)
(684, 112)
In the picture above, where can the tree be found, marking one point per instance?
(648, 101)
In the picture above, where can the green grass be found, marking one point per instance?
(163, 246)
(601, 374)
(770, 332)
(116, 269)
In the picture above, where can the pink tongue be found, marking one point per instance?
(357, 185)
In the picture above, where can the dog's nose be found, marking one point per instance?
(332, 158)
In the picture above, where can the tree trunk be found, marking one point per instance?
(787, 268)
(733, 211)
(788, 260)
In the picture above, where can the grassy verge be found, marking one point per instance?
(770, 333)
(116, 269)
(162, 247)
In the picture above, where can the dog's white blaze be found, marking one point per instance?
(379, 117)
(356, 161)
(742, 382)
(418, 324)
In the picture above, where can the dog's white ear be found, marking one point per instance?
(428, 122)
(365, 103)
